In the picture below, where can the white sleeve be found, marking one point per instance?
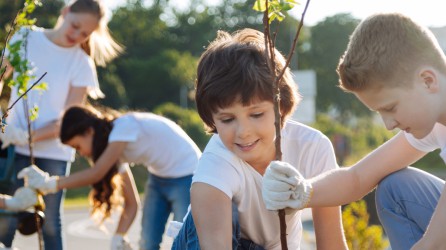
(427, 144)
(214, 170)
(124, 129)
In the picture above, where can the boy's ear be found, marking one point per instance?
(429, 79)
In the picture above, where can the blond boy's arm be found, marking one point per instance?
(344, 185)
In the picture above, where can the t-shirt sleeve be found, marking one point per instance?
(86, 76)
(125, 129)
(427, 144)
(214, 170)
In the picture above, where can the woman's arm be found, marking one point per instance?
(76, 96)
(131, 202)
(212, 214)
(109, 157)
(354, 182)
(328, 228)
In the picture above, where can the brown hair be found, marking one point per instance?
(385, 50)
(100, 45)
(235, 67)
(76, 121)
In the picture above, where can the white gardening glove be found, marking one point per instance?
(13, 135)
(23, 198)
(37, 179)
(120, 242)
(284, 187)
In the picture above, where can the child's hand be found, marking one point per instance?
(120, 242)
(23, 198)
(284, 187)
(13, 135)
(37, 179)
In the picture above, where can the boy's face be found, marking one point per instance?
(248, 132)
(409, 109)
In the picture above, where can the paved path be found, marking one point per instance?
(82, 233)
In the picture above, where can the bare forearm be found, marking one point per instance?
(127, 218)
(338, 187)
(47, 132)
(80, 179)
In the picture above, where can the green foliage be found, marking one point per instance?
(364, 136)
(327, 43)
(357, 231)
(275, 8)
(188, 119)
(18, 59)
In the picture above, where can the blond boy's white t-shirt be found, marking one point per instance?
(64, 68)
(303, 147)
(157, 143)
(436, 139)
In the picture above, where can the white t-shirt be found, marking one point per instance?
(303, 147)
(65, 67)
(434, 140)
(156, 142)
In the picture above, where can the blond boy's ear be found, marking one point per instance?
(429, 79)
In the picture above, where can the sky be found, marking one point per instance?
(430, 13)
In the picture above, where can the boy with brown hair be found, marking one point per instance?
(234, 96)
(396, 68)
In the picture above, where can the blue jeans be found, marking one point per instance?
(52, 228)
(405, 202)
(162, 196)
(187, 238)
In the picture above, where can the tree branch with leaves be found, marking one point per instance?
(273, 10)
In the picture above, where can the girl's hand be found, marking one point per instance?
(284, 187)
(120, 242)
(39, 180)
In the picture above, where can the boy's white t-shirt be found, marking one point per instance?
(65, 68)
(436, 139)
(156, 142)
(305, 148)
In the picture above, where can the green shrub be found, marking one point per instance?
(188, 119)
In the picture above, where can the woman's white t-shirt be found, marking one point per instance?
(156, 142)
(64, 68)
(307, 149)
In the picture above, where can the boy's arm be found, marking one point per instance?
(344, 185)
(433, 238)
(131, 202)
(328, 228)
(212, 214)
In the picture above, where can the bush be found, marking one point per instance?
(359, 234)
(188, 119)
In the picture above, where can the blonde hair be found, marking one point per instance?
(100, 46)
(385, 50)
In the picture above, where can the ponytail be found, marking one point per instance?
(78, 120)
